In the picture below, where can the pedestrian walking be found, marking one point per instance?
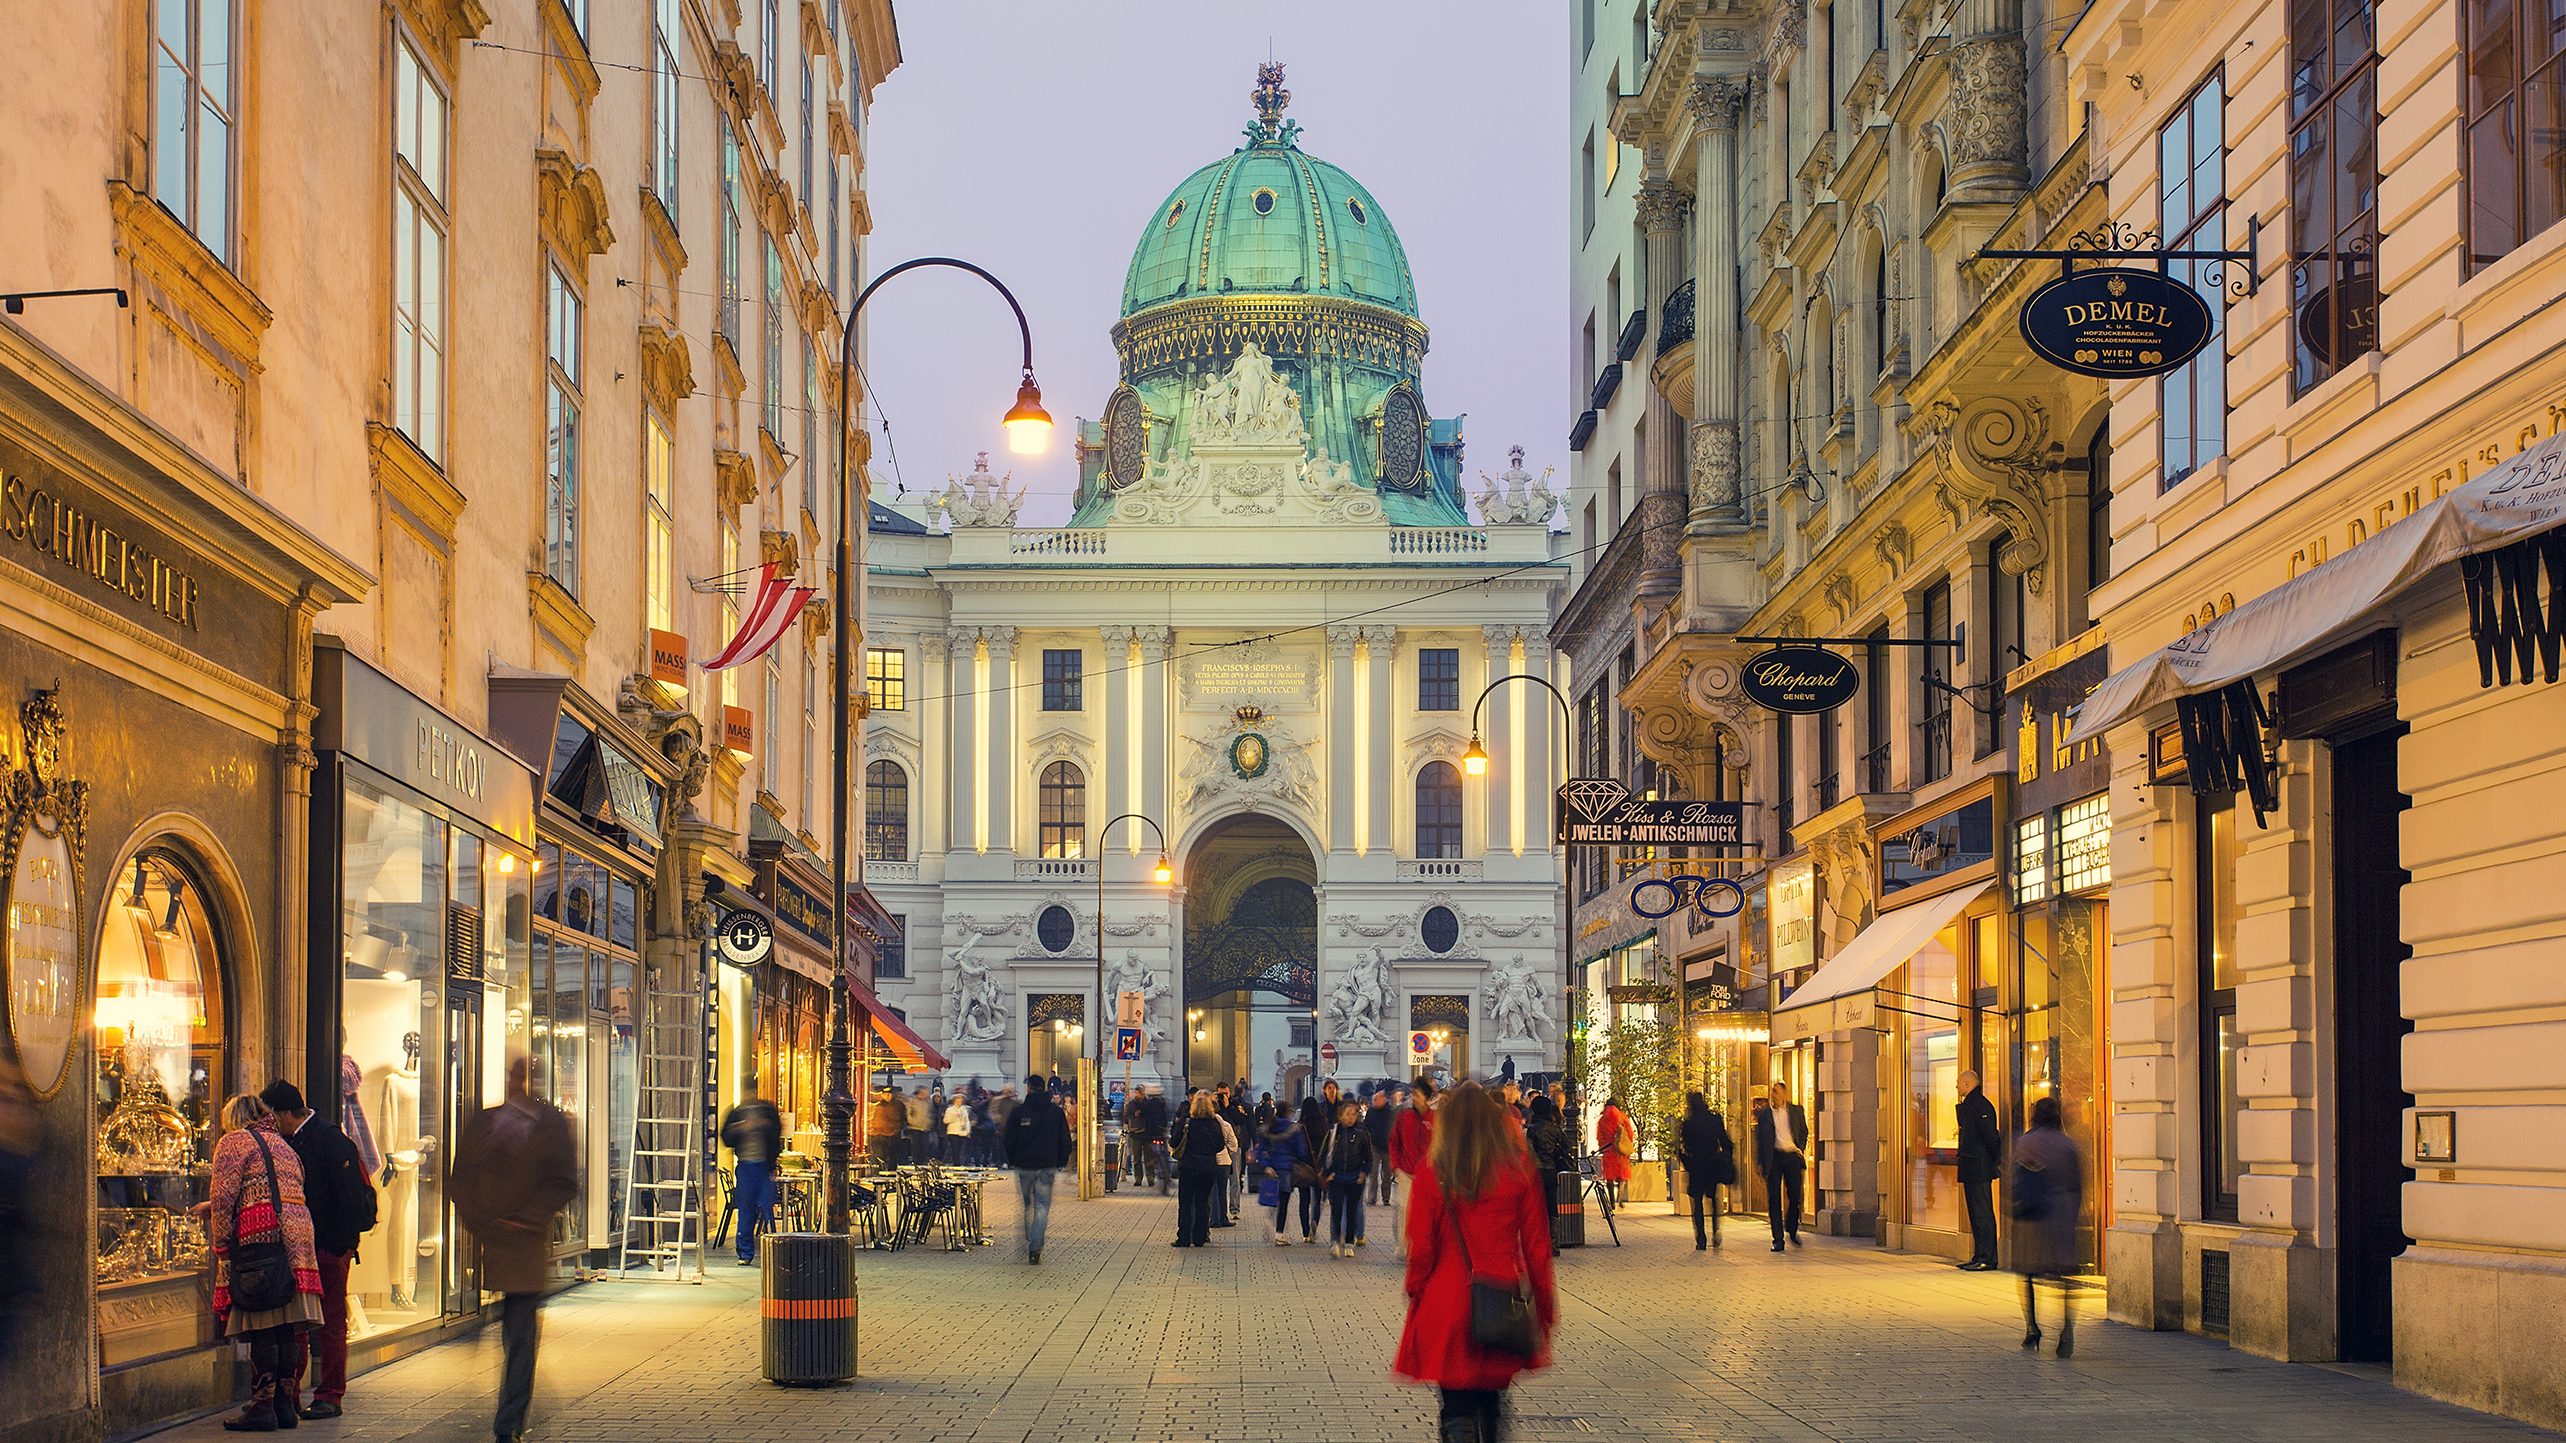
(1232, 1107)
(1199, 1140)
(1480, 1301)
(1410, 1133)
(1345, 1165)
(1781, 1154)
(1154, 1123)
(516, 1167)
(341, 1201)
(1282, 1156)
(882, 1123)
(1318, 1114)
(1617, 1143)
(267, 1267)
(754, 1132)
(1378, 1118)
(916, 1120)
(2048, 1192)
(1554, 1154)
(1036, 1143)
(957, 1130)
(1702, 1144)
(1982, 1152)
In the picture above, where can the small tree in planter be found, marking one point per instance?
(1641, 1062)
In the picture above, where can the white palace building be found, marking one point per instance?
(1264, 630)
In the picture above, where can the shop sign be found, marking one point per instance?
(59, 529)
(2053, 765)
(366, 715)
(668, 659)
(1601, 812)
(1799, 680)
(745, 938)
(806, 911)
(41, 838)
(1913, 854)
(2116, 323)
(1793, 889)
(739, 731)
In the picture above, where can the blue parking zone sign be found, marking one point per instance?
(1127, 1044)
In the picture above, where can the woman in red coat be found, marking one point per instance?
(1617, 1142)
(1475, 1212)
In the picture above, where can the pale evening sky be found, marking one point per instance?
(1036, 138)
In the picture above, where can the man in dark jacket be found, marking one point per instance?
(1153, 1139)
(754, 1132)
(1782, 1155)
(1982, 1151)
(1232, 1107)
(342, 1204)
(1377, 1120)
(1037, 1147)
(516, 1167)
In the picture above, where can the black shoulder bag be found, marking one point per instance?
(1501, 1315)
(262, 1273)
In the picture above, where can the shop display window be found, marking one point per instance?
(585, 990)
(1933, 1065)
(160, 1073)
(393, 1088)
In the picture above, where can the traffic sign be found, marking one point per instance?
(1327, 1058)
(745, 937)
(1601, 812)
(1129, 1008)
(1126, 1044)
(1420, 1046)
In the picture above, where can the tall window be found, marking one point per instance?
(774, 348)
(2008, 603)
(810, 426)
(812, 760)
(561, 429)
(891, 957)
(667, 86)
(1586, 190)
(886, 679)
(770, 723)
(886, 812)
(1933, 704)
(1063, 679)
(659, 543)
(1876, 681)
(193, 88)
(2191, 192)
(834, 292)
(1063, 810)
(810, 94)
(1879, 312)
(1786, 777)
(1439, 678)
(577, 10)
(2334, 186)
(770, 47)
(730, 316)
(1438, 811)
(418, 252)
(2516, 165)
(2214, 939)
(2098, 518)
(730, 607)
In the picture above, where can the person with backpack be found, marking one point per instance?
(267, 1271)
(341, 1201)
(1036, 1143)
(1709, 1157)
(1282, 1155)
(1345, 1167)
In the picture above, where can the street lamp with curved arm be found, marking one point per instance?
(1028, 429)
(1162, 873)
(1474, 760)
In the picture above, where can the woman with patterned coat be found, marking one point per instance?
(257, 1197)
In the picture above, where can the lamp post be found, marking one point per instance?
(1028, 430)
(1090, 1166)
(1474, 761)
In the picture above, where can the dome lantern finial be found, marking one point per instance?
(1271, 99)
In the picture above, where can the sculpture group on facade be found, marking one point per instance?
(974, 1010)
(1357, 1009)
(1518, 498)
(1250, 404)
(979, 499)
(1519, 1002)
(1134, 975)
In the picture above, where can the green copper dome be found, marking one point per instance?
(1270, 219)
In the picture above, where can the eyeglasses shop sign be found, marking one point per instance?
(1799, 679)
(2116, 322)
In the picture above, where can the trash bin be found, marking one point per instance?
(1568, 1211)
(807, 1292)
(1112, 1149)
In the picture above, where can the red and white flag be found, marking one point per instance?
(771, 612)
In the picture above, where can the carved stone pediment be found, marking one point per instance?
(572, 202)
(781, 550)
(734, 479)
(667, 366)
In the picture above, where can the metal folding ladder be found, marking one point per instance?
(664, 1187)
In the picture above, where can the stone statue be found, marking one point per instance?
(1518, 1002)
(973, 1010)
(978, 499)
(1252, 403)
(1133, 975)
(1355, 1007)
(1517, 498)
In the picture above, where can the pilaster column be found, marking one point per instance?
(970, 827)
(1155, 685)
(1541, 746)
(1661, 215)
(1114, 784)
(935, 682)
(1003, 783)
(1341, 736)
(1498, 728)
(1714, 451)
(1380, 815)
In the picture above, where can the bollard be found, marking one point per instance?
(1111, 1150)
(807, 1291)
(1568, 1213)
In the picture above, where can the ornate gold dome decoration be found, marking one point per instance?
(1212, 327)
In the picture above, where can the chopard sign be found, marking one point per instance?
(53, 526)
(1799, 679)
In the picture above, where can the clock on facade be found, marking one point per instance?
(1126, 438)
(1403, 439)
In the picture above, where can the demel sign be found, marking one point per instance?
(1799, 679)
(2116, 322)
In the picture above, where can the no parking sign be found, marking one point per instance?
(1420, 1046)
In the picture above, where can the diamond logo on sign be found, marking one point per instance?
(1593, 798)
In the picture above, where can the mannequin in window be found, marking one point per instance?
(407, 1151)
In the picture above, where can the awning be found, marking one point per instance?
(900, 1039)
(2520, 499)
(1875, 952)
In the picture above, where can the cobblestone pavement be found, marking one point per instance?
(1119, 1337)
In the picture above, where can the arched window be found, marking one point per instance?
(886, 813)
(1879, 310)
(1438, 811)
(1064, 811)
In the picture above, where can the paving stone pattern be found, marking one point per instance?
(1119, 1337)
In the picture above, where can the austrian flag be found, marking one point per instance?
(771, 612)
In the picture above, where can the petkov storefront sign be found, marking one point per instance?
(2116, 322)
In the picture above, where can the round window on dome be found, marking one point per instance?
(1355, 208)
(1263, 200)
(1175, 213)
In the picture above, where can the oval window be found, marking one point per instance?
(1263, 200)
(1175, 213)
(1056, 928)
(1356, 208)
(1440, 930)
